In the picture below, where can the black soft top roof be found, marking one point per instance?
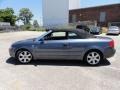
(72, 30)
(81, 33)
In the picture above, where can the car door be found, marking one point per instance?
(54, 46)
(76, 44)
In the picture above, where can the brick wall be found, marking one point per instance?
(112, 14)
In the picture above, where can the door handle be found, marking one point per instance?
(65, 45)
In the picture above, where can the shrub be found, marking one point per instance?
(25, 27)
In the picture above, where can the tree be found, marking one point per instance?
(7, 15)
(25, 15)
(35, 24)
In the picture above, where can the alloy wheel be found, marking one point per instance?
(24, 56)
(93, 58)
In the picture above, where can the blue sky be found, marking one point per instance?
(36, 5)
(89, 3)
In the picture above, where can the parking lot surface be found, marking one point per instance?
(56, 75)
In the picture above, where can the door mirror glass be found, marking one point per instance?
(42, 40)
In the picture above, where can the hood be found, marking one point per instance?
(27, 41)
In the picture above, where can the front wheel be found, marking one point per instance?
(24, 56)
(93, 58)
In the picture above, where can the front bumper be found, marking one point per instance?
(12, 52)
(109, 52)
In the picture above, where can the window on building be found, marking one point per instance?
(102, 16)
(73, 18)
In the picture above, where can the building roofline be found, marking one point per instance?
(100, 6)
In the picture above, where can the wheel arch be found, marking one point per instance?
(90, 50)
(21, 49)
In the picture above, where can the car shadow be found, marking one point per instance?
(57, 63)
(112, 34)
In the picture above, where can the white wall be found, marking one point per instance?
(4, 24)
(74, 4)
(55, 12)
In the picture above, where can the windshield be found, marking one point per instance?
(42, 35)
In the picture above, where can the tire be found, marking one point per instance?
(24, 56)
(93, 58)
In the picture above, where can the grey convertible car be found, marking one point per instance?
(64, 45)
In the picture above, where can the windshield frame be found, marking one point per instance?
(43, 35)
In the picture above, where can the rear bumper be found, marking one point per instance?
(109, 52)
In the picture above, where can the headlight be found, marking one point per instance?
(12, 46)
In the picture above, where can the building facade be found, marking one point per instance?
(103, 15)
(56, 12)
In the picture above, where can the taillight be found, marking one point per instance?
(111, 44)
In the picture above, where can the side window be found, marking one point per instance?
(72, 35)
(56, 36)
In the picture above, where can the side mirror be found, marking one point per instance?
(42, 40)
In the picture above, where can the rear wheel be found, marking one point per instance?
(93, 58)
(24, 56)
